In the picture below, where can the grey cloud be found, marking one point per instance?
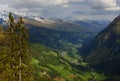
(104, 4)
(72, 9)
(33, 3)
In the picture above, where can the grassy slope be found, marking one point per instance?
(52, 65)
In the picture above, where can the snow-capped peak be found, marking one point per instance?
(38, 19)
(4, 15)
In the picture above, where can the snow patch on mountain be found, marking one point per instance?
(4, 16)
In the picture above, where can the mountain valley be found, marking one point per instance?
(55, 47)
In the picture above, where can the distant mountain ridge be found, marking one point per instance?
(96, 26)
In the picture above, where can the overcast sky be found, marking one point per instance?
(64, 9)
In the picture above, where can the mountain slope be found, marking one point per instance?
(104, 50)
(108, 39)
(64, 38)
(58, 35)
(96, 26)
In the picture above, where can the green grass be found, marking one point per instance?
(64, 73)
(34, 61)
(46, 60)
(84, 64)
(100, 76)
(83, 78)
(51, 53)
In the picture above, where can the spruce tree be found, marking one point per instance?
(23, 55)
(17, 60)
(1, 53)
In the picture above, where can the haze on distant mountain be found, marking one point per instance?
(64, 9)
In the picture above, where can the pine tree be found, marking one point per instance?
(1, 53)
(23, 56)
(17, 60)
(1, 35)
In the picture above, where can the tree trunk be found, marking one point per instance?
(20, 74)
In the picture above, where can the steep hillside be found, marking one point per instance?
(104, 50)
(62, 36)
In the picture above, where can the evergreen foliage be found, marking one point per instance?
(16, 57)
